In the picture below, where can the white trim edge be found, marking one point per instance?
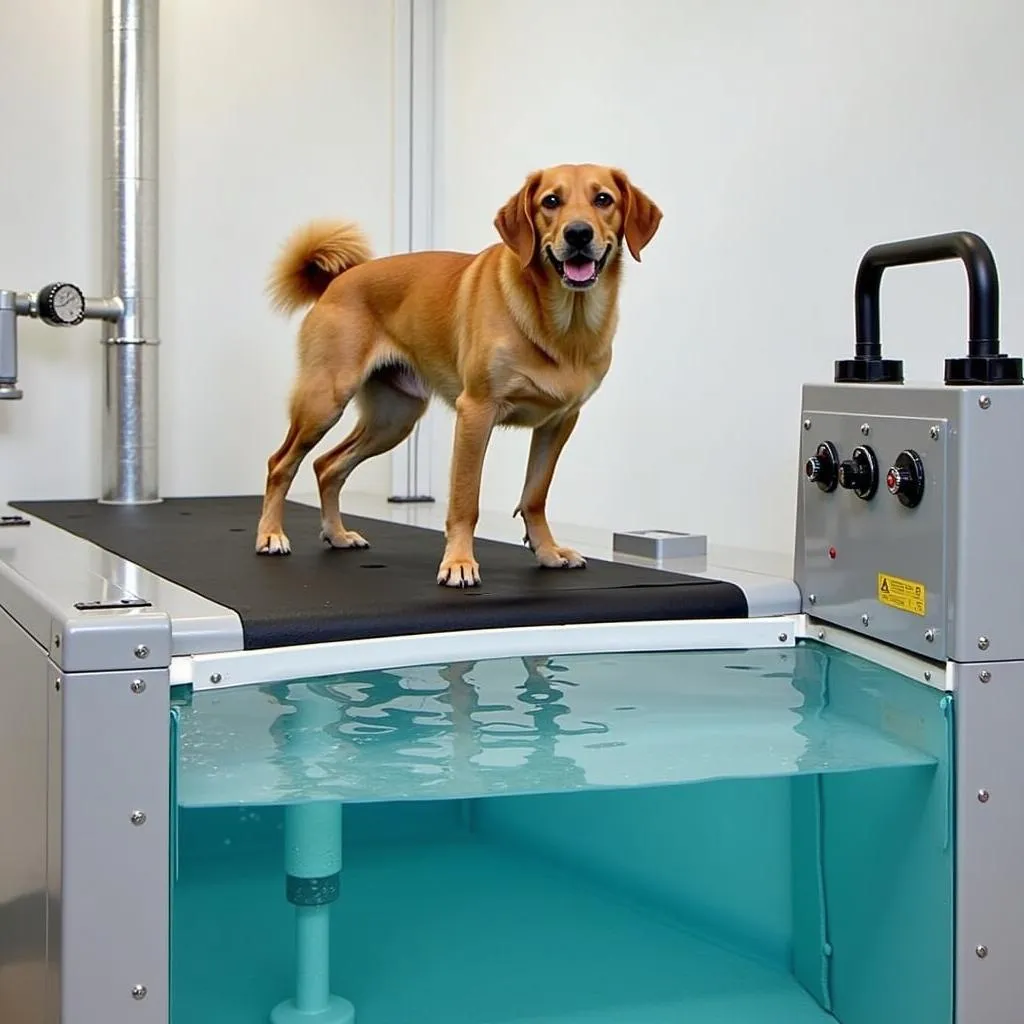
(932, 673)
(309, 661)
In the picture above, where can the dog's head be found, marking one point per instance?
(575, 218)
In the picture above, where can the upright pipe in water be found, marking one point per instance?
(130, 386)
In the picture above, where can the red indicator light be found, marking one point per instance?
(832, 553)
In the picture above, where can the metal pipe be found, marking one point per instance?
(9, 346)
(130, 380)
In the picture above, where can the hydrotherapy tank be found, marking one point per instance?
(673, 792)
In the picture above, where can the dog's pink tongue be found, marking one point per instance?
(580, 271)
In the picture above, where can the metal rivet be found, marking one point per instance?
(821, 634)
(216, 678)
(981, 952)
(807, 424)
(56, 684)
(865, 619)
(142, 651)
(984, 675)
(56, 641)
(934, 433)
(865, 429)
(138, 818)
(983, 643)
(984, 401)
(783, 637)
(138, 685)
(929, 635)
(139, 992)
(983, 796)
(812, 598)
(927, 675)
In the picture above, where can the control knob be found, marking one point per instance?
(61, 304)
(905, 478)
(822, 468)
(859, 473)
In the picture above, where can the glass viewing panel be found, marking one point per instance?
(708, 837)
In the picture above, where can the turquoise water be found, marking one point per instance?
(515, 726)
(709, 838)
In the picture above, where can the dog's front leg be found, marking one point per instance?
(474, 422)
(545, 447)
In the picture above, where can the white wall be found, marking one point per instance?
(781, 141)
(271, 113)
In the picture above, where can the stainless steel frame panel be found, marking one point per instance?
(990, 842)
(987, 556)
(45, 570)
(115, 831)
(23, 826)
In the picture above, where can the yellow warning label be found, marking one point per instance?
(906, 595)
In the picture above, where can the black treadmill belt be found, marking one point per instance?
(315, 595)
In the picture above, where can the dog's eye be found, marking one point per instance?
(603, 199)
(550, 201)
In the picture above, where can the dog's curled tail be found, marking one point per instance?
(311, 259)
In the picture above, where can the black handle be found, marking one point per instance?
(984, 364)
(982, 284)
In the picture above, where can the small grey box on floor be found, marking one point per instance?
(660, 544)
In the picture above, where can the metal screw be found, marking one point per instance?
(983, 796)
(929, 635)
(807, 424)
(983, 643)
(139, 992)
(783, 637)
(138, 685)
(56, 640)
(981, 952)
(865, 429)
(865, 619)
(216, 678)
(812, 598)
(138, 818)
(821, 634)
(142, 651)
(984, 401)
(934, 433)
(56, 684)
(927, 675)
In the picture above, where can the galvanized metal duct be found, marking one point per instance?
(130, 463)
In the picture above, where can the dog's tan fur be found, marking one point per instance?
(502, 336)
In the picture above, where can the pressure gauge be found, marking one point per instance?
(61, 305)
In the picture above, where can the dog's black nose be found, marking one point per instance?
(578, 234)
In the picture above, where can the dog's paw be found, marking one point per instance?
(272, 542)
(560, 558)
(459, 572)
(342, 539)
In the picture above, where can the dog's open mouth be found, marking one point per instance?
(578, 271)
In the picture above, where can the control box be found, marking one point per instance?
(910, 510)
(909, 516)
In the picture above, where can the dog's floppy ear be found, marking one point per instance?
(515, 221)
(642, 216)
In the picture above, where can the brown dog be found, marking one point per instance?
(519, 334)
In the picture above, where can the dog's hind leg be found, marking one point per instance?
(387, 417)
(317, 404)
(545, 447)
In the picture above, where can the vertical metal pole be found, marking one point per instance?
(414, 67)
(131, 126)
